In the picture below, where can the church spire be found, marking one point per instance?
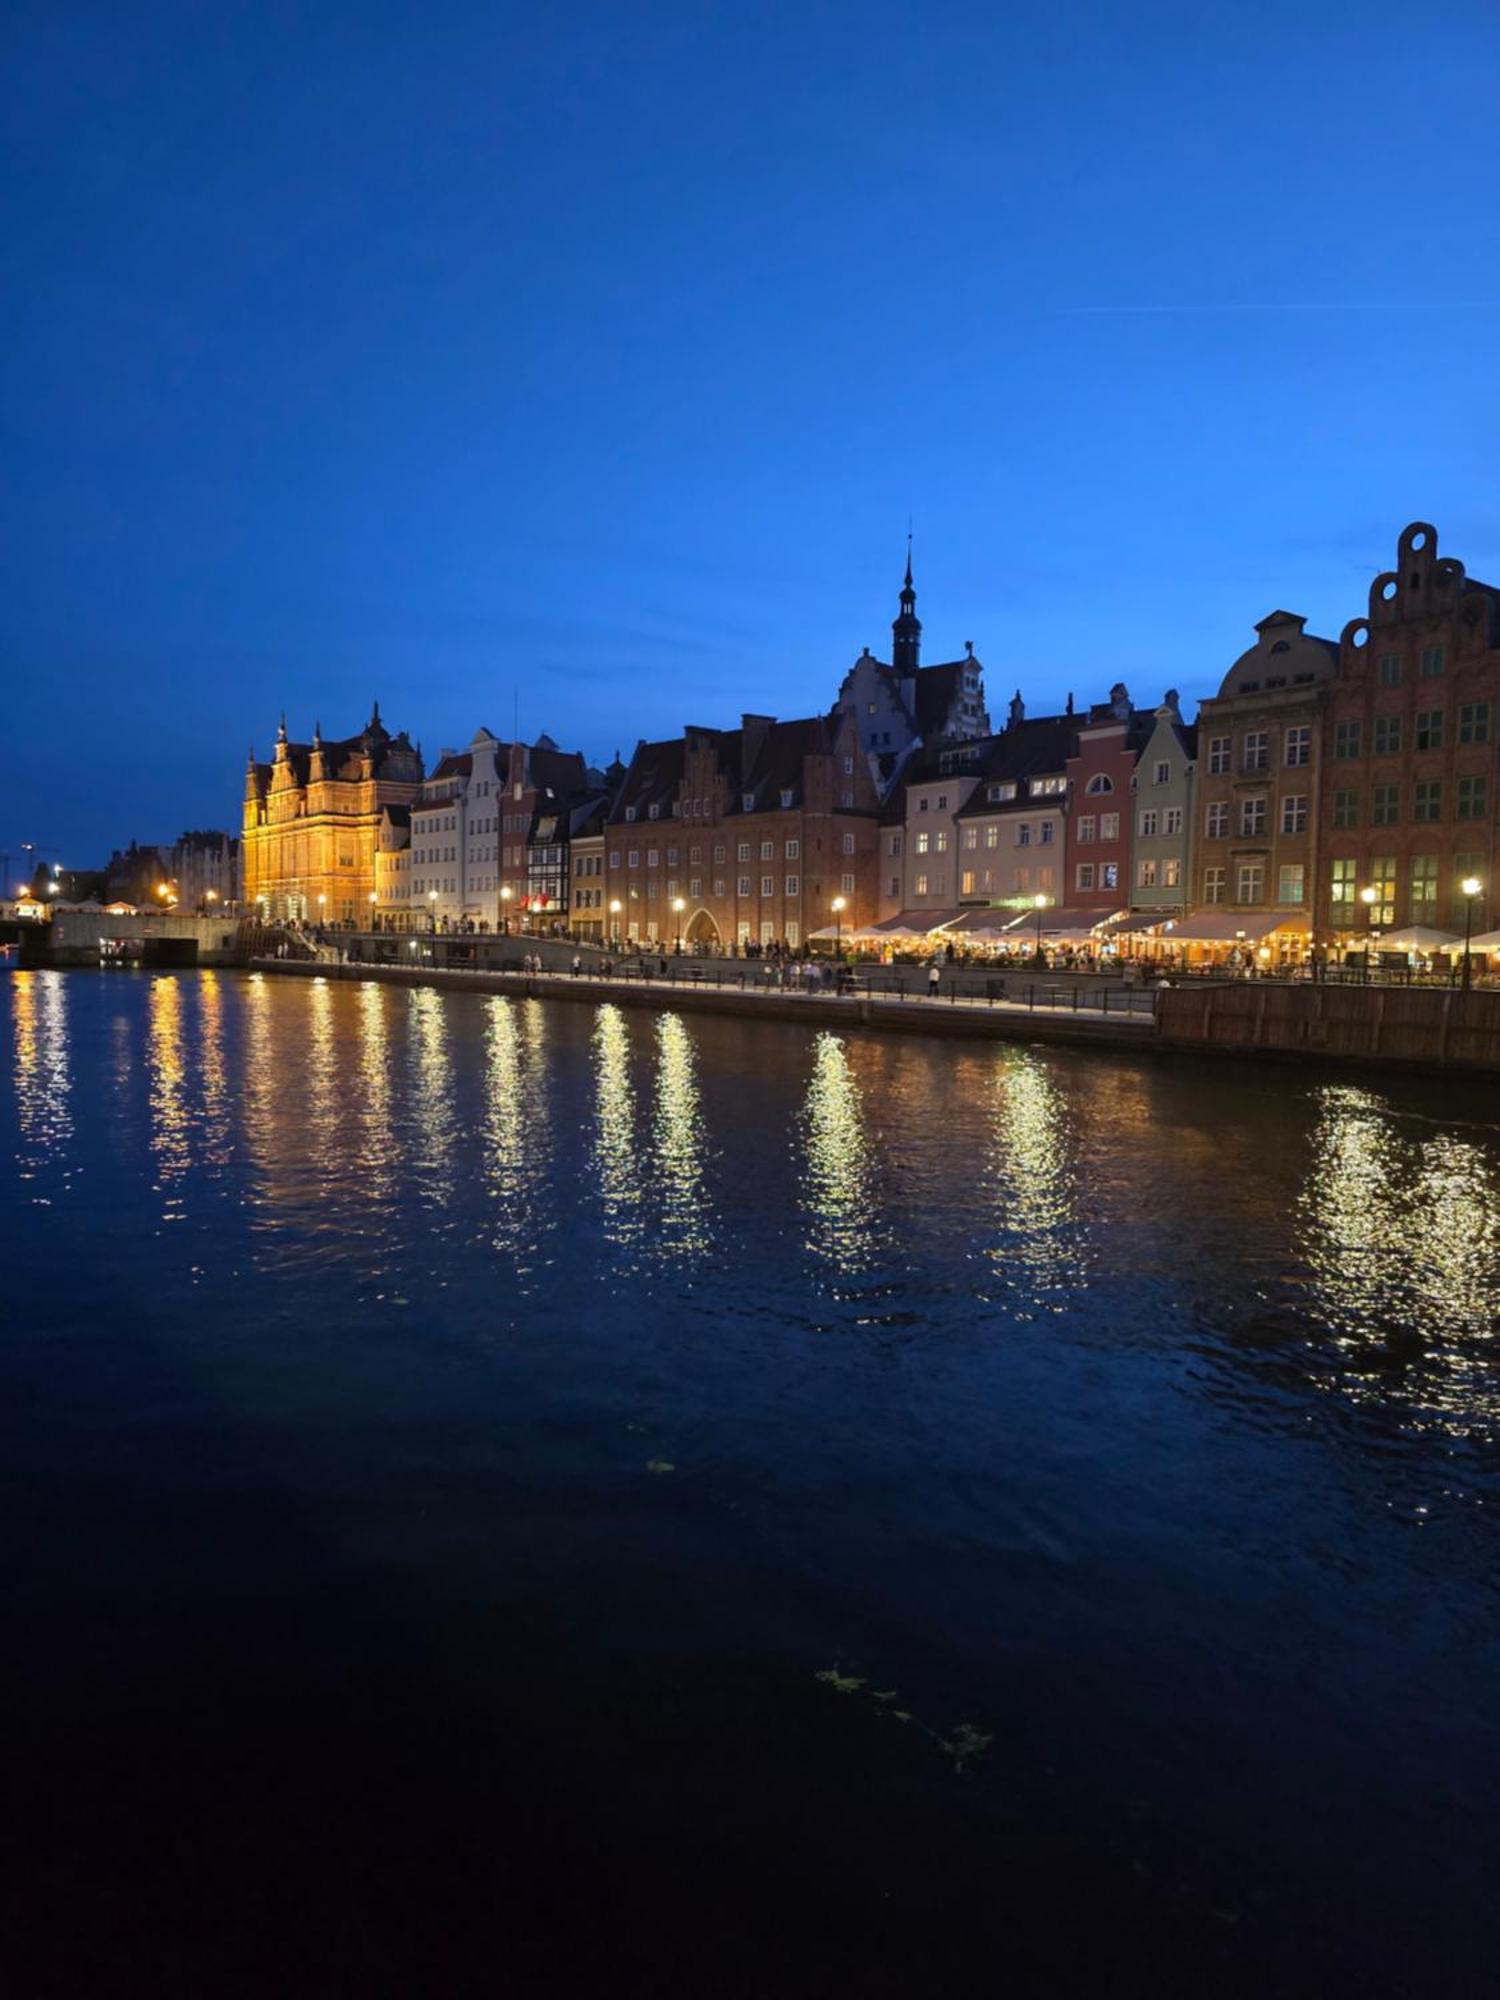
(906, 628)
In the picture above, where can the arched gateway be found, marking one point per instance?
(702, 930)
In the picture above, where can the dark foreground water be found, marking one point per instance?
(512, 1498)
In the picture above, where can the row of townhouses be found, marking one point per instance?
(1330, 787)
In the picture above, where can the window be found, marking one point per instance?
(1387, 736)
(1298, 745)
(923, 804)
(1023, 834)
(767, 850)
(748, 802)
(1434, 659)
(846, 798)
(1146, 823)
(1213, 885)
(895, 846)
(1109, 826)
(633, 858)
(966, 883)
(695, 885)
(847, 844)
(793, 849)
(768, 885)
(1474, 722)
(652, 812)
(1218, 756)
(1099, 784)
(939, 842)
(1161, 772)
(971, 836)
(1429, 735)
(1109, 875)
(1083, 875)
(720, 851)
(742, 852)
(846, 883)
(1427, 801)
(895, 887)
(992, 836)
(1252, 816)
(1346, 809)
(1385, 805)
(1216, 820)
(1171, 820)
(1388, 670)
(922, 843)
(786, 800)
(791, 885)
(1171, 874)
(694, 854)
(1289, 881)
(794, 935)
(742, 886)
(1045, 832)
(1145, 875)
(998, 794)
(1473, 798)
(1255, 751)
(942, 804)
(1383, 882)
(848, 767)
(1424, 888)
(920, 886)
(614, 859)
(1294, 813)
(1087, 827)
(1250, 884)
(1346, 739)
(653, 857)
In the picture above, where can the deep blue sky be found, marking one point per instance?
(599, 353)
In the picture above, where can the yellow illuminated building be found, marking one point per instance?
(312, 822)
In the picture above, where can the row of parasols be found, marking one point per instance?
(1087, 930)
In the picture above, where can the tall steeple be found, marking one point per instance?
(906, 630)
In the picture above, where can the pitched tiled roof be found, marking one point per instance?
(1041, 745)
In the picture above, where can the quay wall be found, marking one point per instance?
(933, 1017)
(1418, 1027)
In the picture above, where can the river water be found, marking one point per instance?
(513, 1496)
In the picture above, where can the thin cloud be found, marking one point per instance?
(1300, 306)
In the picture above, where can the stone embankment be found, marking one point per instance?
(1058, 1018)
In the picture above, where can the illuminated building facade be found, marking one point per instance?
(312, 822)
(1410, 730)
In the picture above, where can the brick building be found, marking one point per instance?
(1410, 730)
(753, 831)
(1101, 774)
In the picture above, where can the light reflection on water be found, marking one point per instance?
(434, 1123)
(517, 1134)
(1041, 1253)
(170, 1115)
(616, 1166)
(684, 1231)
(41, 1075)
(1401, 1240)
(838, 1189)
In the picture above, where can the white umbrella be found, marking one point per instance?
(1417, 937)
(1486, 941)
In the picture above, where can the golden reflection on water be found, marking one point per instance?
(517, 1132)
(838, 1183)
(435, 1128)
(377, 1166)
(1401, 1239)
(171, 1123)
(320, 1095)
(1034, 1179)
(217, 1124)
(615, 1161)
(41, 1072)
(680, 1142)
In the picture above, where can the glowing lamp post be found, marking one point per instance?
(1039, 903)
(838, 907)
(372, 899)
(1370, 897)
(614, 929)
(678, 906)
(432, 909)
(1471, 886)
(506, 892)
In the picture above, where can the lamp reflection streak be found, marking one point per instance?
(838, 1185)
(41, 1073)
(375, 1095)
(1401, 1234)
(217, 1140)
(679, 1143)
(516, 1134)
(171, 1123)
(1035, 1183)
(615, 1162)
(434, 1106)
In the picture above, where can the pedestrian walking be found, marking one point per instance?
(934, 980)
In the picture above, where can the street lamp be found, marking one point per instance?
(432, 909)
(506, 892)
(1370, 897)
(1039, 903)
(838, 926)
(614, 929)
(678, 907)
(1471, 886)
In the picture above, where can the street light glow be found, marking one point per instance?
(1471, 885)
(838, 903)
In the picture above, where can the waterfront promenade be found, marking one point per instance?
(1036, 1011)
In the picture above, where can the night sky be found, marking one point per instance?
(595, 357)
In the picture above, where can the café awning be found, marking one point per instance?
(1485, 942)
(1419, 937)
(1226, 927)
(1063, 926)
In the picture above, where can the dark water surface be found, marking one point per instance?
(509, 1497)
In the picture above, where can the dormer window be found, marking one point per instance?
(786, 799)
(1100, 782)
(997, 794)
(748, 801)
(653, 812)
(630, 812)
(1282, 646)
